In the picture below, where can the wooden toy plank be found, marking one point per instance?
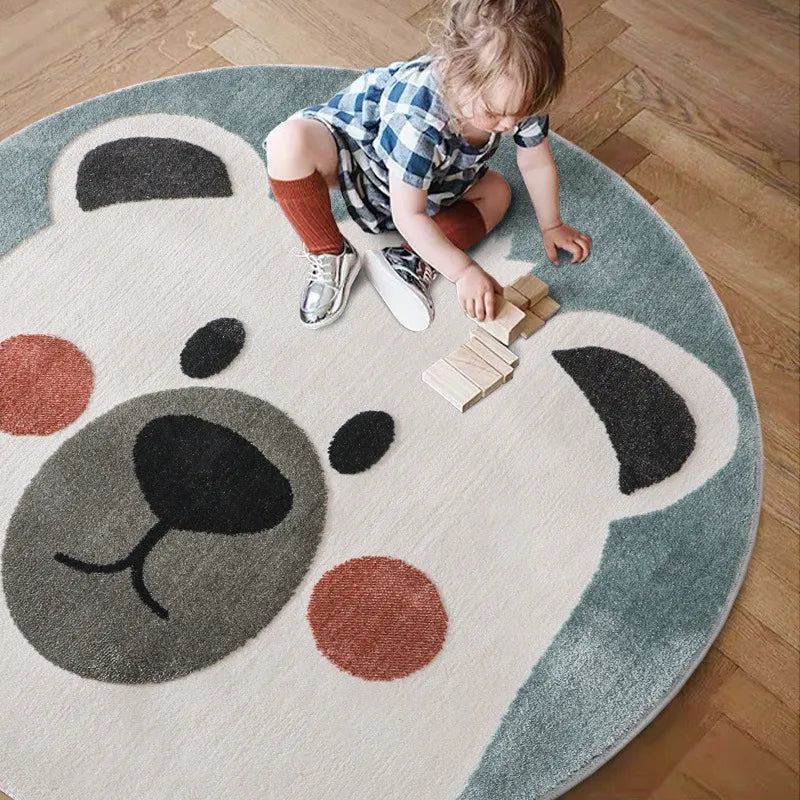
(452, 385)
(533, 288)
(493, 360)
(475, 369)
(530, 325)
(508, 320)
(545, 308)
(515, 297)
(487, 340)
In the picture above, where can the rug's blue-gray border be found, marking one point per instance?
(667, 580)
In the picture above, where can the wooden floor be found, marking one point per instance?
(695, 102)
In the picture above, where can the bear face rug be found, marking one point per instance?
(243, 559)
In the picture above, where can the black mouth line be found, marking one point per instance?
(134, 560)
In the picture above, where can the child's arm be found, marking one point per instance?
(540, 174)
(475, 287)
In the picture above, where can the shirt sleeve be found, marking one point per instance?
(410, 147)
(531, 130)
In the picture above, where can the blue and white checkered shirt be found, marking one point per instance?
(392, 121)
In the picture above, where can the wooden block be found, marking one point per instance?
(515, 297)
(452, 385)
(533, 288)
(492, 359)
(530, 324)
(488, 341)
(508, 319)
(475, 369)
(545, 308)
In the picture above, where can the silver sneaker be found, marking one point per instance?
(330, 277)
(403, 280)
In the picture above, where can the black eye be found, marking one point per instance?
(361, 442)
(212, 348)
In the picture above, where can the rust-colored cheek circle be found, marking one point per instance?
(377, 618)
(45, 384)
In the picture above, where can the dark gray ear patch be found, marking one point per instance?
(648, 422)
(148, 168)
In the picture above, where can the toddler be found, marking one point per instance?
(408, 145)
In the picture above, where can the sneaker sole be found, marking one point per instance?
(346, 292)
(410, 310)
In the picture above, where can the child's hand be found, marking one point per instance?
(476, 290)
(567, 238)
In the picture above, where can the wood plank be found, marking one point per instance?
(768, 39)
(475, 369)
(770, 285)
(679, 786)
(587, 83)
(508, 319)
(590, 35)
(595, 122)
(531, 324)
(452, 385)
(45, 92)
(772, 601)
(199, 61)
(491, 358)
(545, 308)
(285, 35)
(531, 287)
(500, 350)
(760, 714)
(350, 33)
(46, 32)
(725, 136)
(620, 153)
(778, 547)
(515, 297)
(763, 655)
(770, 206)
(685, 55)
(573, 11)
(733, 765)
(241, 48)
(714, 212)
(7, 9)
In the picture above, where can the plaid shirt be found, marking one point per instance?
(392, 121)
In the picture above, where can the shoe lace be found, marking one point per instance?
(320, 269)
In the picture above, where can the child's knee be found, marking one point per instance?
(285, 141)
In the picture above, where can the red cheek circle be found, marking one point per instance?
(45, 384)
(377, 618)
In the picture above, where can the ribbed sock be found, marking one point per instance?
(461, 223)
(306, 202)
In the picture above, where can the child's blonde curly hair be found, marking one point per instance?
(480, 41)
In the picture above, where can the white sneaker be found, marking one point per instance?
(402, 279)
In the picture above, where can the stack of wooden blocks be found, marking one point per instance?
(477, 368)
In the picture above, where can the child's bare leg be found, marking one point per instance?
(297, 147)
(492, 195)
(302, 164)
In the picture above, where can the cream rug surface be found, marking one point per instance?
(241, 559)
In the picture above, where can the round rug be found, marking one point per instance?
(242, 559)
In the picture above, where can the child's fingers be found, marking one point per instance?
(574, 248)
(488, 301)
(550, 249)
(480, 310)
(471, 306)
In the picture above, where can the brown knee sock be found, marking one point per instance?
(461, 223)
(306, 202)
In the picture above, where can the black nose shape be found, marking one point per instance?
(201, 476)
(196, 476)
